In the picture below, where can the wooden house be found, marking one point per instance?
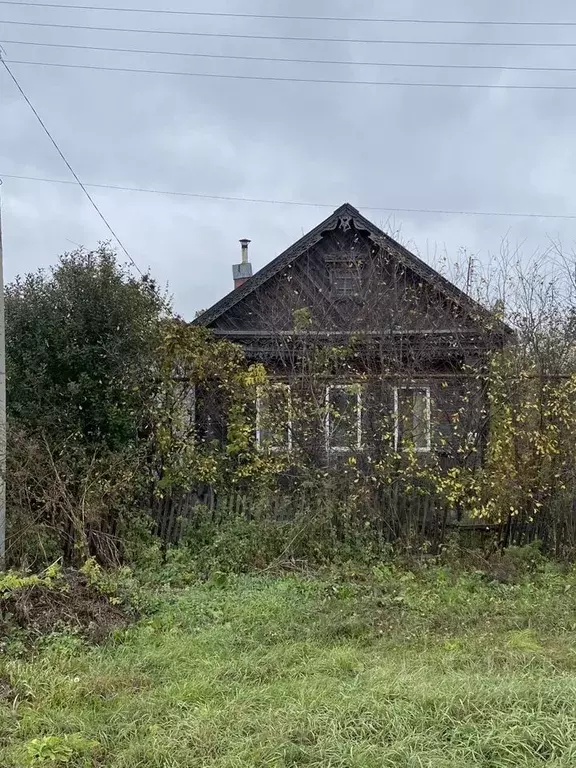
(391, 352)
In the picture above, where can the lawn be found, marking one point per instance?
(394, 669)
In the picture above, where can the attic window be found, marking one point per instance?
(345, 280)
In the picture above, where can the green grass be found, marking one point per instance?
(398, 670)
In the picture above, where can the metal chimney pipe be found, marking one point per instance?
(245, 243)
(243, 271)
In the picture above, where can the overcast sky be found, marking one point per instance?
(375, 147)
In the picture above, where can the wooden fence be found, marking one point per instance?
(395, 515)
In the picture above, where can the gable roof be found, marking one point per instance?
(348, 213)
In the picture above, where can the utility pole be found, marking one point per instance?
(2, 408)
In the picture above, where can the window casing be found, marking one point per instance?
(343, 426)
(274, 418)
(412, 418)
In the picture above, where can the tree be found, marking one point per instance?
(81, 340)
(82, 347)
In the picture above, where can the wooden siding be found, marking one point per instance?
(393, 298)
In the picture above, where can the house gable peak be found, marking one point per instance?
(345, 218)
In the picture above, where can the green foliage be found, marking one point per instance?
(103, 385)
(190, 360)
(525, 641)
(63, 609)
(530, 472)
(525, 480)
(302, 319)
(72, 750)
(235, 543)
(80, 342)
(12, 581)
(68, 500)
(115, 584)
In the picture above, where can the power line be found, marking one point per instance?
(270, 78)
(347, 62)
(187, 33)
(228, 198)
(221, 14)
(72, 171)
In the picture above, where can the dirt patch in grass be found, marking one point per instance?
(72, 603)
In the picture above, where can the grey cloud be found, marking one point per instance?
(414, 148)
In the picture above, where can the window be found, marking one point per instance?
(274, 418)
(343, 417)
(412, 418)
(345, 280)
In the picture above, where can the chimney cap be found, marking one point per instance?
(245, 241)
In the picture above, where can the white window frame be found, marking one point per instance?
(358, 444)
(416, 387)
(287, 447)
